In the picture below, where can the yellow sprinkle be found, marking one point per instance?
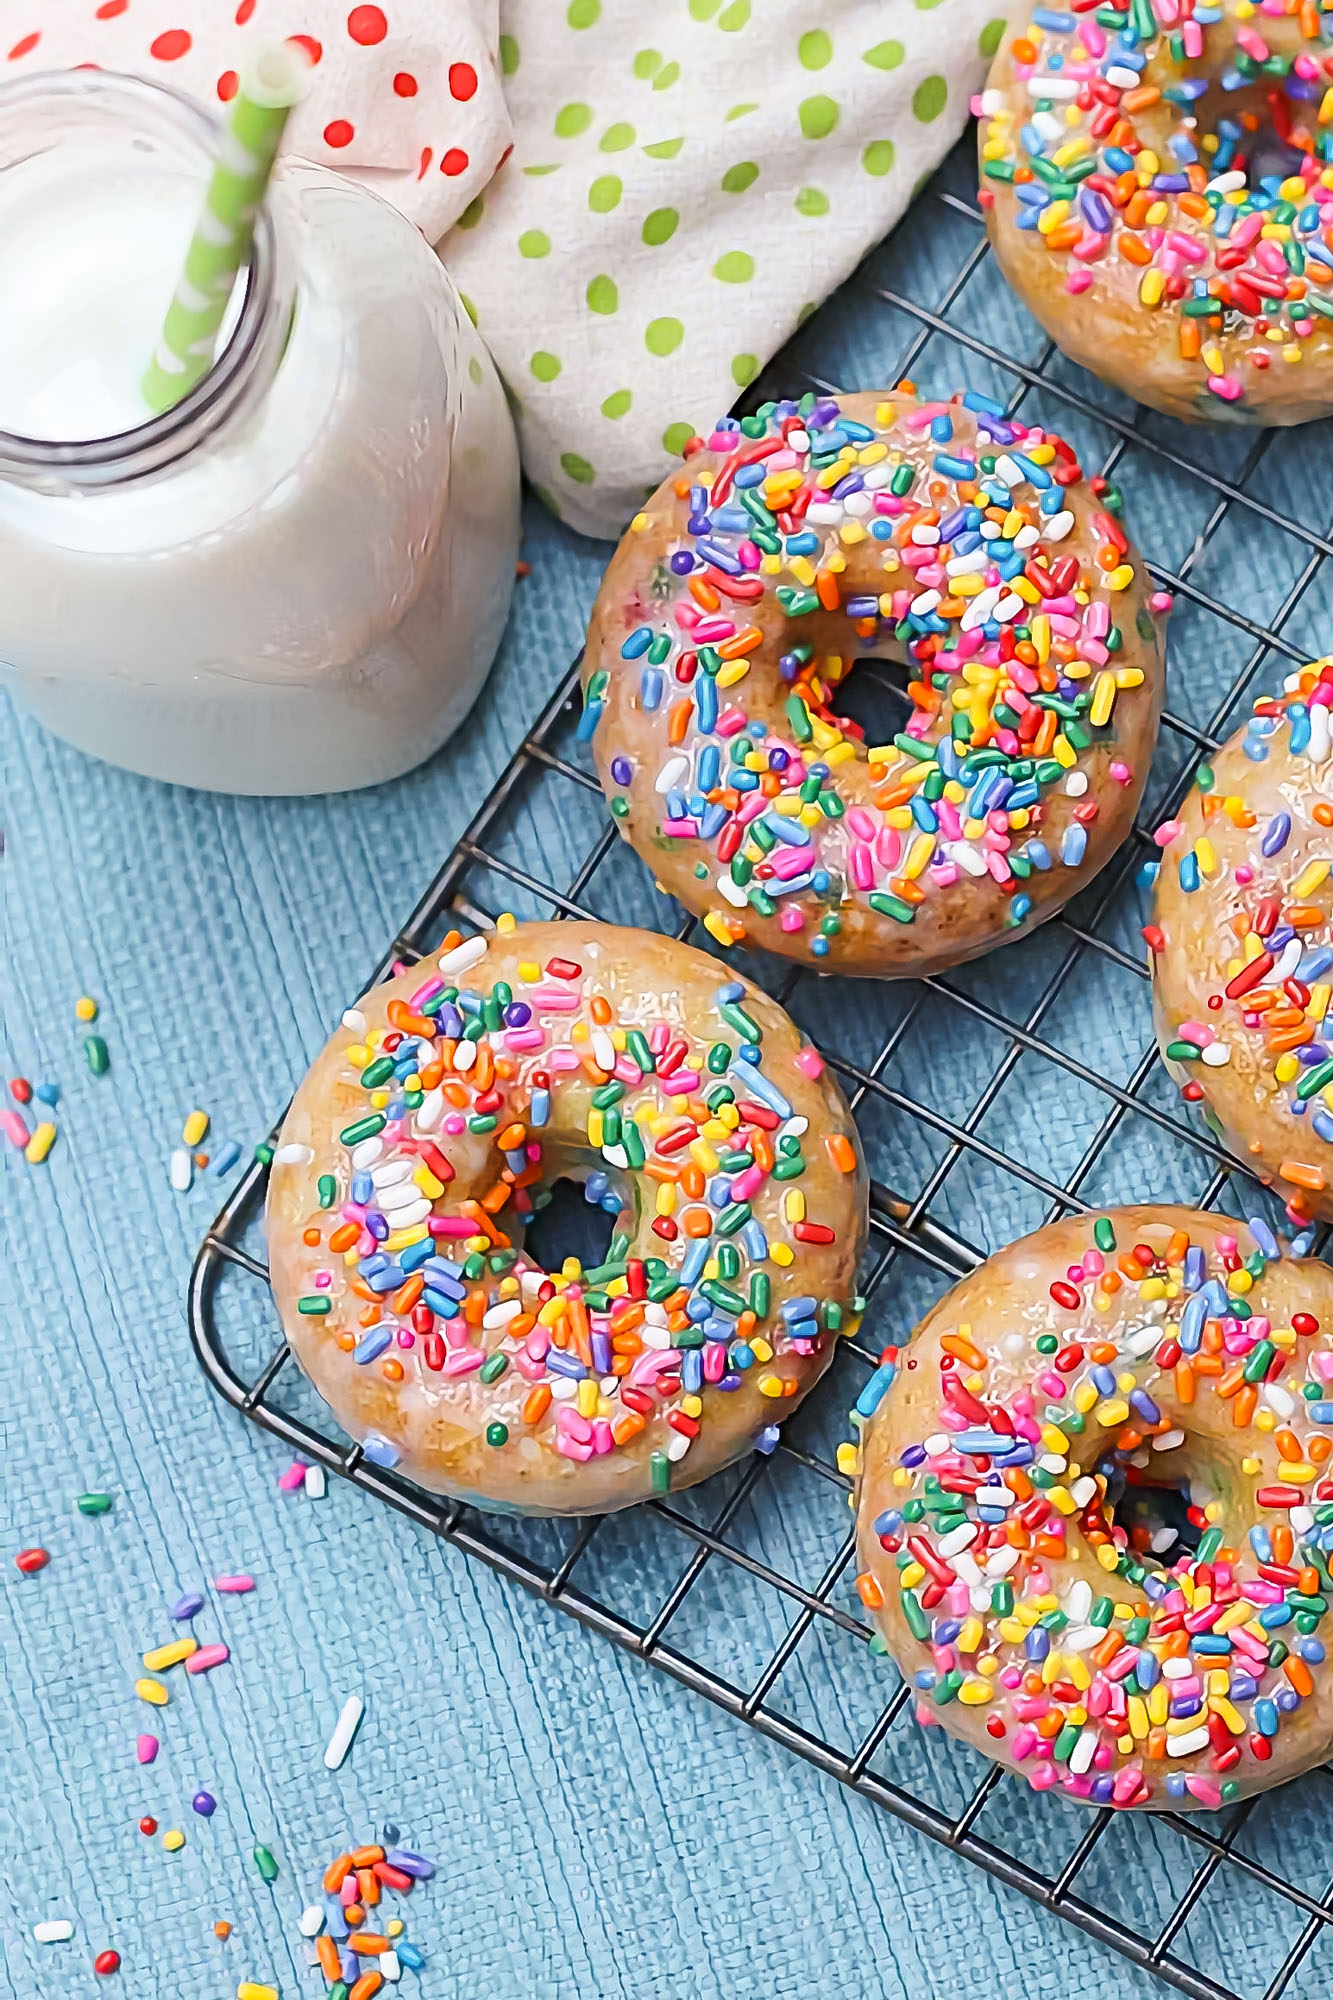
(638, 524)
(1151, 286)
(403, 1239)
(194, 1128)
(152, 1692)
(1159, 1703)
(1103, 699)
(40, 1144)
(910, 1577)
(170, 1655)
(1299, 1474)
(849, 1460)
(770, 1385)
(1113, 1411)
(85, 1008)
(692, 1406)
(793, 1205)
(1138, 1716)
(1121, 577)
(761, 1350)
(586, 1399)
(1309, 879)
(174, 1840)
(1085, 1398)
(783, 1254)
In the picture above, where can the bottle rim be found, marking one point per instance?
(160, 439)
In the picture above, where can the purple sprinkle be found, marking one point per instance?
(1276, 834)
(187, 1607)
(412, 1864)
(913, 1454)
(517, 1014)
(682, 562)
(825, 412)
(204, 1804)
(621, 770)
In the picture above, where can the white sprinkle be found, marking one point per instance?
(1216, 1056)
(731, 892)
(672, 772)
(1287, 963)
(344, 1730)
(1049, 126)
(965, 857)
(1317, 749)
(316, 1483)
(603, 1049)
(877, 477)
(1056, 527)
(1080, 1757)
(1137, 1344)
(957, 1540)
(355, 1020)
(1128, 79)
(564, 1391)
(925, 603)
(500, 1315)
(391, 1173)
(1076, 784)
(798, 440)
(430, 1113)
(394, 1199)
(1177, 1670)
(793, 1128)
(1168, 1441)
(1185, 1746)
(925, 537)
(1001, 1562)
(1009, 607)
(971, 564)
(1008, 471)
(182, 1170)
(1083, 1490)
(1053, 1461)
(1080, 1637)
(1302, 1519)
(464, 955)
(1221, 183)
(54, 1931)
(465, 1055)
(994, 1496)
(967, 1569)
(388, 1965)
(1057, 89)
(825, 512)
(294, 1155)
(1078, 1602)
(858, 505)
(1279, 1399)
(366, 1154)
(615, 1156)
(311, 1921)
(938, 1443)
(678, 1444)
(1162, 1540)
(991, 102)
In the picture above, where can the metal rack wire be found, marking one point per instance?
(989, 1100)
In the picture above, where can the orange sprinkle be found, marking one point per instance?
(536, 1403)
(870, 1594)
(962, 1350)
(1298, 1674)
(841, 1152)
(1302, 1175)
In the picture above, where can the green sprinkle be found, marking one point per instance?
(892, 906)
(314, 1305)
(661, 1471)
(493, 1367)
(264, 1153)
(1257, 1364)
(636, 1042)
(266, 1865)
(497, 1434)
(760, 1292)
(94, 1048)
(328, 1190)
(1103, 1231)
(917, 1621)
(362, 1128)
(94, 1503)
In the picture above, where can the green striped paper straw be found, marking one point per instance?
(271, 84)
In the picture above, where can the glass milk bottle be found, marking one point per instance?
(296, 579)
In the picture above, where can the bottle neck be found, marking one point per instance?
(94, 114)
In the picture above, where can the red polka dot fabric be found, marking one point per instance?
(404, 94)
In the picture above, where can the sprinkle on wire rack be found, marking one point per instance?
(1219, 1906)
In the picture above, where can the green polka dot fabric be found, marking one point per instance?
(687, 181)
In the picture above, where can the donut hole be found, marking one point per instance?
(1154, 1512)
(569, 1224)
(873, 697)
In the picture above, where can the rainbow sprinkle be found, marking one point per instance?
(1109, 166)
(1175, 1681)
(955, 521)
(695, 1134)
(1277, 939)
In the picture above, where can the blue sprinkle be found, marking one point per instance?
(1276, 833)
(650, 688)
(638, 642)
(1073, 844)
(379, 1450)
(1264, 1237)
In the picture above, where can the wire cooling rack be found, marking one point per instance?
(990, 1100)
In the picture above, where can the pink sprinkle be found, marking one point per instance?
(810, 1063)
(462, 1361)
(524, 1038)
(728, 725)
(679, 1083)
(1168, 831)
(234, 1586)
(1229, 387)
(1120, 772)
(568, 1447)
(791, 918)
(146, 1748)
(293, 1479)
(1244, 875)
(206, 1659)
(1078, 281)
(451, 1225)
(16, 1131)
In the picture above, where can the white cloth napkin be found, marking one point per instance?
(404, 94)
(687, 181)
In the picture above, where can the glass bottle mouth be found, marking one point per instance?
(62, 104)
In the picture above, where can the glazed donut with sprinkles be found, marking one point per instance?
(1157, 177)
(1242, 944)
(1095, 1509)
(430, 1132)
(968, 547)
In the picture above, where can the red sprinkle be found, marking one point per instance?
(148, 1824)
(31, 1560)
(106, 1962)
(1065, 1295)
(1304, 1324)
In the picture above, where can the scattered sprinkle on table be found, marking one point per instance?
(56, 1930)
(29, 1561)
(349, 1721)
(94, 1503)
